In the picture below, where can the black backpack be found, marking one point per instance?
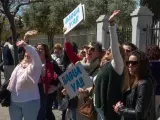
(5, 95)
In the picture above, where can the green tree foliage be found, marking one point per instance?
(10, 8)
(48, 16)
(126, 7)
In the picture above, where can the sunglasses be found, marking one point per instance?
(83, 52)
(132, 63)
(91, 49)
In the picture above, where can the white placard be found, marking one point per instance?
(74, 18)
(75, 78)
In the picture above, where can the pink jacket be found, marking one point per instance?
(25, 78)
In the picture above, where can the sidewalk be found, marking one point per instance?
(4, 115)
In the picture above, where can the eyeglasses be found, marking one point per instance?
(131, 62)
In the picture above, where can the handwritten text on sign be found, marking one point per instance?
(74, 18)
(75, 78)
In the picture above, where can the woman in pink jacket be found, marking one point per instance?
(25, 99)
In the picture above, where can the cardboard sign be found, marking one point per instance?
(74, 18)
(75, 78)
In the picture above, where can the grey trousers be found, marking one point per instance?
(8, 69)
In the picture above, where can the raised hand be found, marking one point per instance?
(21, 43)
(64, 29)
(66, 35)
(114, 14)
(29, 34)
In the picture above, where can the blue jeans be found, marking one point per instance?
(27, 110)
(45, 111)
(100, 114)
(43, 100)
(73, 113)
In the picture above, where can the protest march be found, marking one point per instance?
(94, 82)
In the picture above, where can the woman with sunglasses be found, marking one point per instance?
(138, 101)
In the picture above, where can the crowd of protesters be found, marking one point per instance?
(125, 80)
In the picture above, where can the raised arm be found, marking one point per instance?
(34, 71)
(36, 61)
(117, 61)
(68, 48)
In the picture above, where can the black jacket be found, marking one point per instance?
(7, 56)
(139, 102)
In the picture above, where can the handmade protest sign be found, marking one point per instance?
(74, 18)
(75, 78)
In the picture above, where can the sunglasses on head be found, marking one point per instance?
(131, 62)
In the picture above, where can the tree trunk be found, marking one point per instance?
(1, 29)
(50, 40)
(14, 37)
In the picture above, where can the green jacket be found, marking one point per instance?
(108, 91)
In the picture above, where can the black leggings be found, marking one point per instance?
(50, 99)
(45, 111)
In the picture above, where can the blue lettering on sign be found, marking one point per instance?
(81, 82)
(64, 80)
(71, 75)
(73, 86)
(72, 15)
(74, 21)
(78, 84)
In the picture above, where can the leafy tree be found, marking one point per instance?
(10, 8)
(48, 16)
(126, 7)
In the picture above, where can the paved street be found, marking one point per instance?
(4, 115)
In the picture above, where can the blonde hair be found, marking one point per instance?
(58, 46)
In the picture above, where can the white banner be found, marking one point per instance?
(75, 78)
(74, 18)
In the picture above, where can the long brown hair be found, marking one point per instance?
(47, 51)
(143, 69)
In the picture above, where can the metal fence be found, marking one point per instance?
(85, 36)
(79, 39)
(124, 34)
(153, 34)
